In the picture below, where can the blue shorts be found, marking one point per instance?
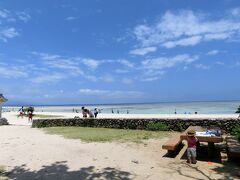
(191, 152)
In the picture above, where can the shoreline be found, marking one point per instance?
(134, 116)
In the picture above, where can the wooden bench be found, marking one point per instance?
(233, 147)
(172, 144)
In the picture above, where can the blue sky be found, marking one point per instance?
(105, 51)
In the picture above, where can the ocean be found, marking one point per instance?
(224, 107)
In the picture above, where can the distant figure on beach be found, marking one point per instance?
(90, 113)
(84, 112)
(112, 111)
(118, 111)
(95, 112)
(30, 116)
(127, 112)
(21, 112)
(196, 112)
(175, 112)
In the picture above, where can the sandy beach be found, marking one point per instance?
(30, 153)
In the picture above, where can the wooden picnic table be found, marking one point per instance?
(209, 139)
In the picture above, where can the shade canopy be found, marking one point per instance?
(2, 98)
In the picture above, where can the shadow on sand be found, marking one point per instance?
(227, 170)
(60, 171)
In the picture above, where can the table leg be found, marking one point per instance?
(211, 149)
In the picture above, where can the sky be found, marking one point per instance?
(105, 51)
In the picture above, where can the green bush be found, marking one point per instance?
(28, 109)
(180, 126)
(157, 126)
(236, 132)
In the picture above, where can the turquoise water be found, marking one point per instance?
(152, 108)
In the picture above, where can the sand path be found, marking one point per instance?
(32, 154)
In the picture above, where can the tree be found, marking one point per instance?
(238, 110)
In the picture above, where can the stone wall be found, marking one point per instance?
(3, 121)
(174, 124)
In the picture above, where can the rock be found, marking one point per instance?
(135, 161)
(3, 121)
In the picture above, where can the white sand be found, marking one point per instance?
(32, 149)
(136, 116)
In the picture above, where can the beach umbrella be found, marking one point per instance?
(2, 99)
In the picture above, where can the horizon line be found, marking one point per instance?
(130, 103)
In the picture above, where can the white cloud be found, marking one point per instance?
(126, 63)
(111, 93)
(8, 33)
(201, 66)
(149, 79)
(220, 63)
(186, 28)
(151, 75)
(143, 51)
(235, 11)
(70, 65)
(73, 66)
(107, 78)
(4, 13)
(45, 78)
(91, 77)
(121, 71)
(23, 16)
(217, 36)
(91, 63)
(13, 16)
(71, 18)
(168, 62)
(213, 52)
(12, 71)
(191, 41)
(93, 91)
(127, 81)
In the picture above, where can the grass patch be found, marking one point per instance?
(46, 116)
(157, 127)
(43, 116)
(104, 134)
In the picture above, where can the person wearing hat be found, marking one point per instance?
(192, 146)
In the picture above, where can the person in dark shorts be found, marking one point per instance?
(95, 112)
